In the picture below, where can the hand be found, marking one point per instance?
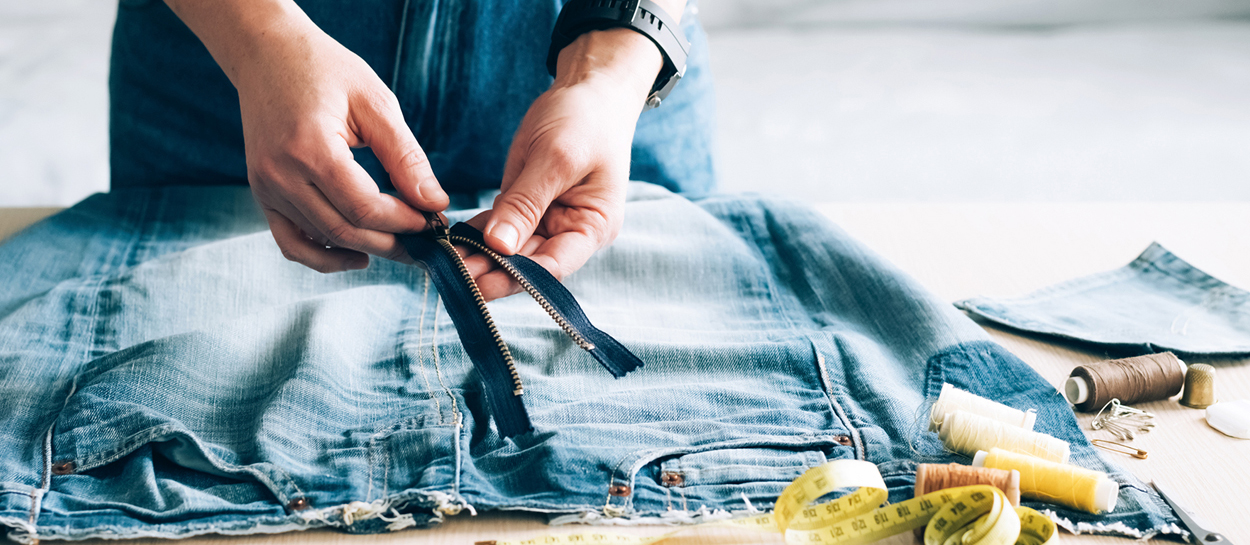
(306, 101)
(563, 190)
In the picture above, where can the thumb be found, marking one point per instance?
(519, 209)
(383, 129)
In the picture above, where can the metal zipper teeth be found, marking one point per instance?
(528, 287)
(481, 305)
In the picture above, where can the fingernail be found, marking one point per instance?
(431, 191)
(508, 234)
(356, 262)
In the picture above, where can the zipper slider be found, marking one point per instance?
(435, 222)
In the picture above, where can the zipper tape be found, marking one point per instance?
(610, 353)
(969, 515)
(475, 330)
(481, 339)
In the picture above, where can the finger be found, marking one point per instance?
(499, 283)
(519, 210)
(383, 129)
(566, 252)
(516, 155)
(357, 198)
(327, 220)
(478, 263)
(300, 249)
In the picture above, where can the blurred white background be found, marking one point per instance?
(826, 100)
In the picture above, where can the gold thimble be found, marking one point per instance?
(1199, 386)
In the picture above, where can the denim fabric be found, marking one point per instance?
(465, 72)
(1156, 303)
(167, 373)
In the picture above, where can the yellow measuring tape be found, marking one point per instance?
(968, 515)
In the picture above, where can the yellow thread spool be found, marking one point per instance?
(1076, 487)
(966, 433)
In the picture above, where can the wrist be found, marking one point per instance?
(618, 56)
(238, 32)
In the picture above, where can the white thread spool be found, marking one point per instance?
(953, 399)
(966, 433)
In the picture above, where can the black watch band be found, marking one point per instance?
(644, 16)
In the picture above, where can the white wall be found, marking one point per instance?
(848, 100)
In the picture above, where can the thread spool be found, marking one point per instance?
(953, 399)
(934, 477)
(1076, 487)
(1131, 380)
(1199, 386)
(966, 433)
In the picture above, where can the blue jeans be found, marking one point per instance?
(465, 72)
(165, 372)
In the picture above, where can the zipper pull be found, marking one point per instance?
(435, 222)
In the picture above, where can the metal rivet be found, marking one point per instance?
(297, 504)
(64, 468)
(619, 490)
(844, 440)
(671, 479)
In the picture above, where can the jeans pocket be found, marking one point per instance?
(735, 475)
(149, 435)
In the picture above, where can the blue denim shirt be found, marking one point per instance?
(167, 373)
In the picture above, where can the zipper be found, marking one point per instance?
(481, 338)
(443, 238)
(558, 302)
(529, 288)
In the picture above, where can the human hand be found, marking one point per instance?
(306, 101)
(563, 190)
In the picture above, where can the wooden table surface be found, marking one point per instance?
(992, 249)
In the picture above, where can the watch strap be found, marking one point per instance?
(643, 16)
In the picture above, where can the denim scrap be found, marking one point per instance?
(1157, 303)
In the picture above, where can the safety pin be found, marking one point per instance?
(1120, 448)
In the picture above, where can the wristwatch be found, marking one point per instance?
(643, 16)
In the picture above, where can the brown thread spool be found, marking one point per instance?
(1131, 380)
(934, 477)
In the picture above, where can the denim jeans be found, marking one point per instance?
(464, 71)
(167, 373)
(1154, 304)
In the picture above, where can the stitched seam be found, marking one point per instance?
(425, 295)
(399, 46)
(438, 369)
(369, 464)
(386, 469)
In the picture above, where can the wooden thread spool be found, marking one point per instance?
(934, 477)
(1067, 485)
(1131, 380)
(953, 399)
(968, 433)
